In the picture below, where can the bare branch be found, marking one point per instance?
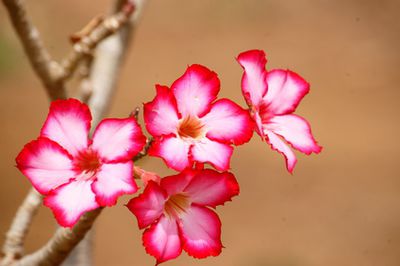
(145, 150)
(103, 78)
(92, 34)
(61, 244)
(85, 89)
(108, 58)
(13, 246)
(48, 70)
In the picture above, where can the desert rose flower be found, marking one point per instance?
(273, 97)
(177, 216)
(77, 174)
(190, 126)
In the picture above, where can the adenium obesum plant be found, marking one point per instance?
(177, 215)
(77, 174)
(190, 127)
(273, 97)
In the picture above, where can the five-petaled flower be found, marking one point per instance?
(190, 126)
(177, 215)
(273, 97)
(77, 174)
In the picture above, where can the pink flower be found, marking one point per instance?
(177, 215)
(189, 125)
(74, 173)
(273, 97)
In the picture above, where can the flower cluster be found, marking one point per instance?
(191, 129)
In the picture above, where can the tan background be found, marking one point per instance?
(341, 207)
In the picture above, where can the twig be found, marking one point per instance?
(85, 88)
(135, 113)
(108, 58)
(61, 244)
(48, 70)
(106, 65)
(146, 148)
(96, 31)
(13, 246)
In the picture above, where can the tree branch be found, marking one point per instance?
(103, 76)
(145, 150)
(61, 244)
(48, 70)
(108, 58)
(13, 246)
(97, 30)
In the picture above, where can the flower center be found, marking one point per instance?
(264, 113)
(190, 127)
(88, 163)
(176, 204)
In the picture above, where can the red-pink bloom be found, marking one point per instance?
(189, 125)
(177, 215)
(273, 97)
(77, 174)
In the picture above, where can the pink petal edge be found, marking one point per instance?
(195, 90)
(211, 188)
(118, 140)
(65, 115)
(254, 84)
(112, 181)
(229, 123)
(285, 91)
(200, 230)
(46, 164)
(296, 131)
(148, 206)
(161, 115)
(284, 149)
(162, 240)
(173, 150)
(70, 201)
(213, 152)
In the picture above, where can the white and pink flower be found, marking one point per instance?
(189, 125)
(77, 174)
(177, 216)
(273, 97)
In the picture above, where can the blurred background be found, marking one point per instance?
(341, 207)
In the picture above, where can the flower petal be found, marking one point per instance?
(201, 232)
(218, 154)
(295, 130)
(46, 164)
(254, 84)
(228, 122)
(285, 91)
(195, 90)
(280, 146)
(175, 184)
(69, 201)
(68, 124)
(174, 151)
(112, 181)
(149, 205)
(162, 240)
(118, 139)
(161, 114)
(208, 187)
